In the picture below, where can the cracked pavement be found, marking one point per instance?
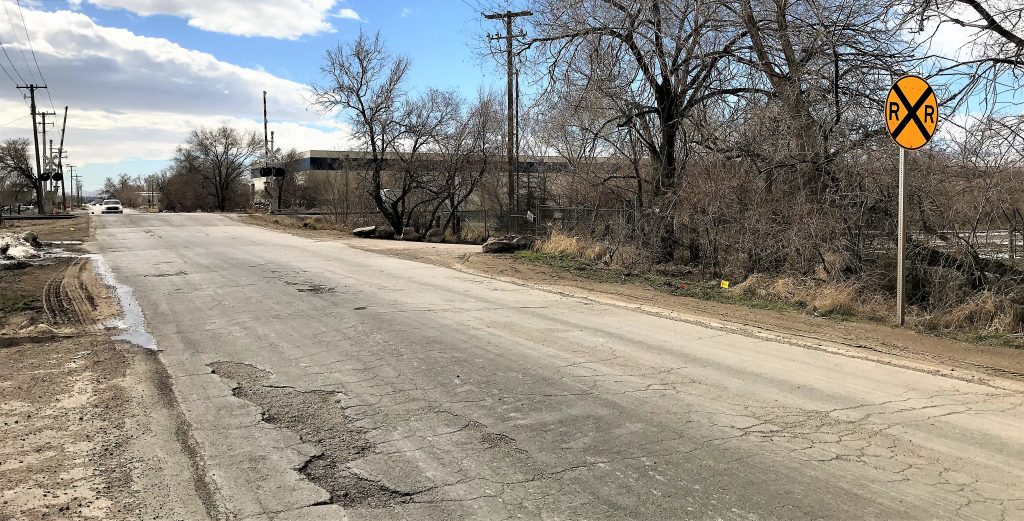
(326, 382)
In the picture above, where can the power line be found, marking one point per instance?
(24, 26)
(12, 77)
(15, 120)
(8, 74)
(14, 33)
(12, 66)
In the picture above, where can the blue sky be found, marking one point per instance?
(138, 74)
(436, 34)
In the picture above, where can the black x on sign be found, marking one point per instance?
(911, 112)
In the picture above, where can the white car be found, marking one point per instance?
(111, 206)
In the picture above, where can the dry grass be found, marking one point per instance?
(474, 233)
(562, 245)
(320, 223)
(985, 312)
(845, 298)
(286, 221)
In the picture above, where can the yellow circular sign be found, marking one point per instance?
(911, 112)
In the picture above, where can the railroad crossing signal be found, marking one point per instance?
(911, 112)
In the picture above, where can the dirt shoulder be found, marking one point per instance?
(994, 365)
(88, 425)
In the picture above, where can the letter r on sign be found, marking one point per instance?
(894, 110)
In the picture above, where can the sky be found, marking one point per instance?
(139, 74)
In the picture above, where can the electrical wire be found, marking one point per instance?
(17, 40)
(15, 120)
(31, 48)
(15, 69)
(9, 74)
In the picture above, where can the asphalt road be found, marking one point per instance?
(325, 382)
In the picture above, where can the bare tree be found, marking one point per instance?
(218, 159)
(285, 190)
(125, 188)
(417, 187)
(16, 161)
(823, 65)
(1000, 25)
(469, 151)
(333, 193)
(653, 63)
(364, 83)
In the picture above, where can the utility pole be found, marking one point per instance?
(60, 163)
(57, 175)
(77, 186)
(266, 156)
(509, 17)
(277, 179)
(266, 149)
(35, 138)
(46, 155)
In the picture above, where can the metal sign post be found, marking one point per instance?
(901, 315)
(911, 115)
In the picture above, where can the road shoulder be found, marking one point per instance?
(88, 425)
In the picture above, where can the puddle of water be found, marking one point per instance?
(132, 323)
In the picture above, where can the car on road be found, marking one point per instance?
(111, 206)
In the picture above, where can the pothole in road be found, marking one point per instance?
(318, 419)
(311, 287)
(163, 275)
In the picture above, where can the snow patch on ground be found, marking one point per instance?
(15, 247)
(132, 322)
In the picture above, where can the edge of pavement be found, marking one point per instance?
(167, 436)
(862, 351)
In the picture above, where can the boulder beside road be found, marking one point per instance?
(507, 244)
(410, 234)
(365, 231)
(434, 235)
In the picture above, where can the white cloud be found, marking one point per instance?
(136, 97)
(349, 14)
(405, 12)
(288, 19)
(949, 40)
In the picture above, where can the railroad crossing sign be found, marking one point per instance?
(911, 112)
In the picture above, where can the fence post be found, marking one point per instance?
(1013, 243)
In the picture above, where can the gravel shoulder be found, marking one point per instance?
(88, 426)
(992, 365)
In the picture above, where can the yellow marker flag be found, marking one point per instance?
(724, 284)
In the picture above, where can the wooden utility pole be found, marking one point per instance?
(57, 174)
(40, 208)
(510, 146)
(277, 179)
(77, 186)
(60, 162)
(46, 153)
(266, 149)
